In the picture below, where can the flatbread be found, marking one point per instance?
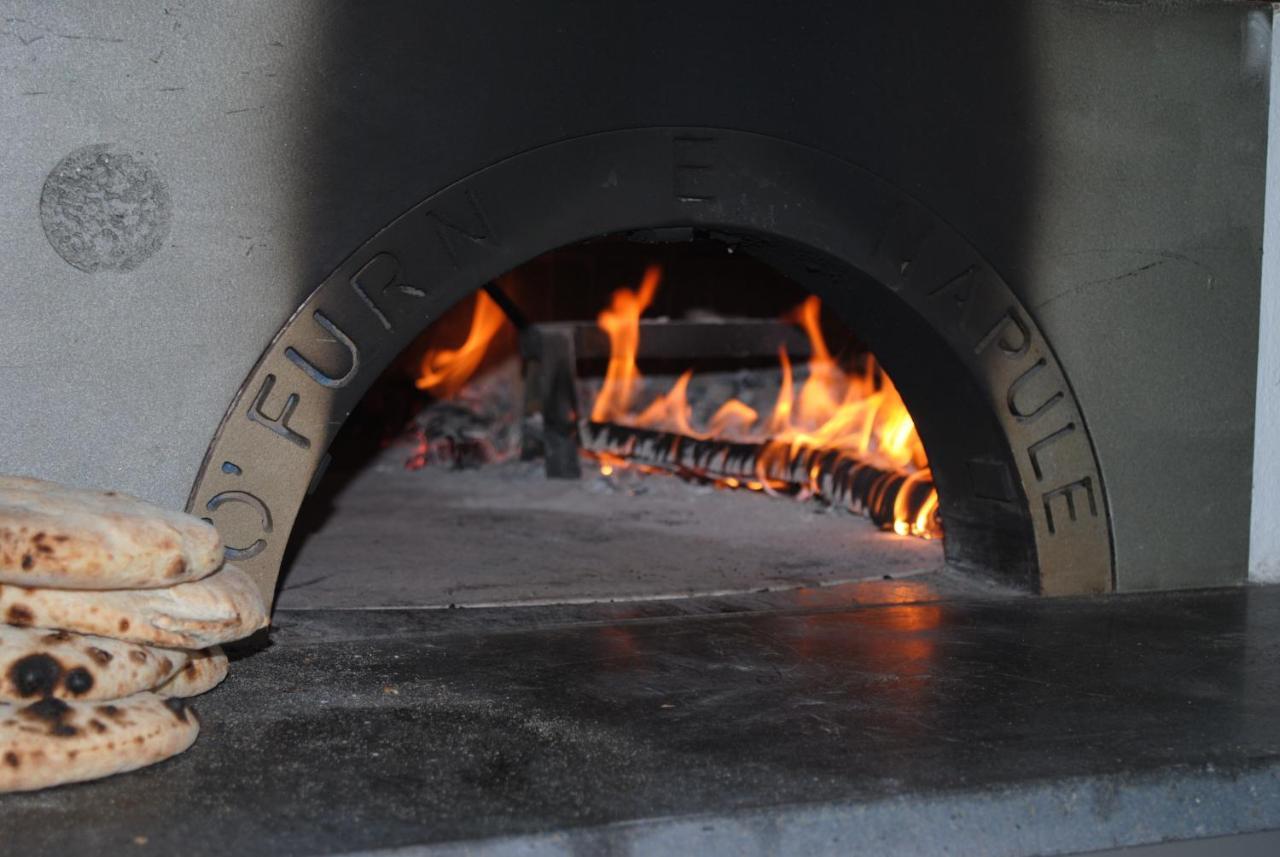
(51, 742)
(73, 538)
(223, 607)
(204, 671)
(36, 662)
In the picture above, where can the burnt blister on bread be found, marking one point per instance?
(54, 712)
(39, 675)
(179, 707)
(36, 675)
(78, 681)
(99, 655)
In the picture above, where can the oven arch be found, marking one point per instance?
(1022, 494)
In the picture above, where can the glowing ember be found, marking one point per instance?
(859, 413)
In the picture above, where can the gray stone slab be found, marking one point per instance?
(961, 726)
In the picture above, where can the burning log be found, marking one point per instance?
(893, 499)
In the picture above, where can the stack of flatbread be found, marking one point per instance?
(111, 615)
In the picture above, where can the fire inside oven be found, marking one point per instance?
(633, 370)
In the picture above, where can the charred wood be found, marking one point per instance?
(836, 476)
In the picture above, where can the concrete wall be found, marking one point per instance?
(1264, 544)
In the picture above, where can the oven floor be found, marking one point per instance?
(504, 534)
(867, 718)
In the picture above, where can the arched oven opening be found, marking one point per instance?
(1020, 492)
(593, 424)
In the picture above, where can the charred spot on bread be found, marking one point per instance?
(97, 725)
(35, 675)
(79, 681)
(49, 709)
(57, 637)
(20, 615)
(11, 759)
(28, 562)
(177, 568)
(99, 655)
(138, 656)
(110, 712)
(40, 545)
(124, 625)
(178, 707)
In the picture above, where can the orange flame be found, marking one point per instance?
(444, 371)
(621, 322)
(859, 413)
(671, 410)
(732, 419)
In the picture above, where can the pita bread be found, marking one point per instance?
(36, 663)
(51, 742)
(204, 671)
(223, 607)
(72, 538)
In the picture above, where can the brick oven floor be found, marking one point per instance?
(856, 720)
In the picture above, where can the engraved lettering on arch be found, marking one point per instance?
(264, 516)
(314, 373)
(278, 424)
(693, 168)
(959, 290)
(379, 275)
(1067, 494)
(1008, 325)
(1035, 450)
(905, 234)
(1018, 410)
(469, 224)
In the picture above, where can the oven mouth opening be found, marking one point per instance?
(647, 375)
(1021, 493)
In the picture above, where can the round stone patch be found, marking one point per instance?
(104, 208)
